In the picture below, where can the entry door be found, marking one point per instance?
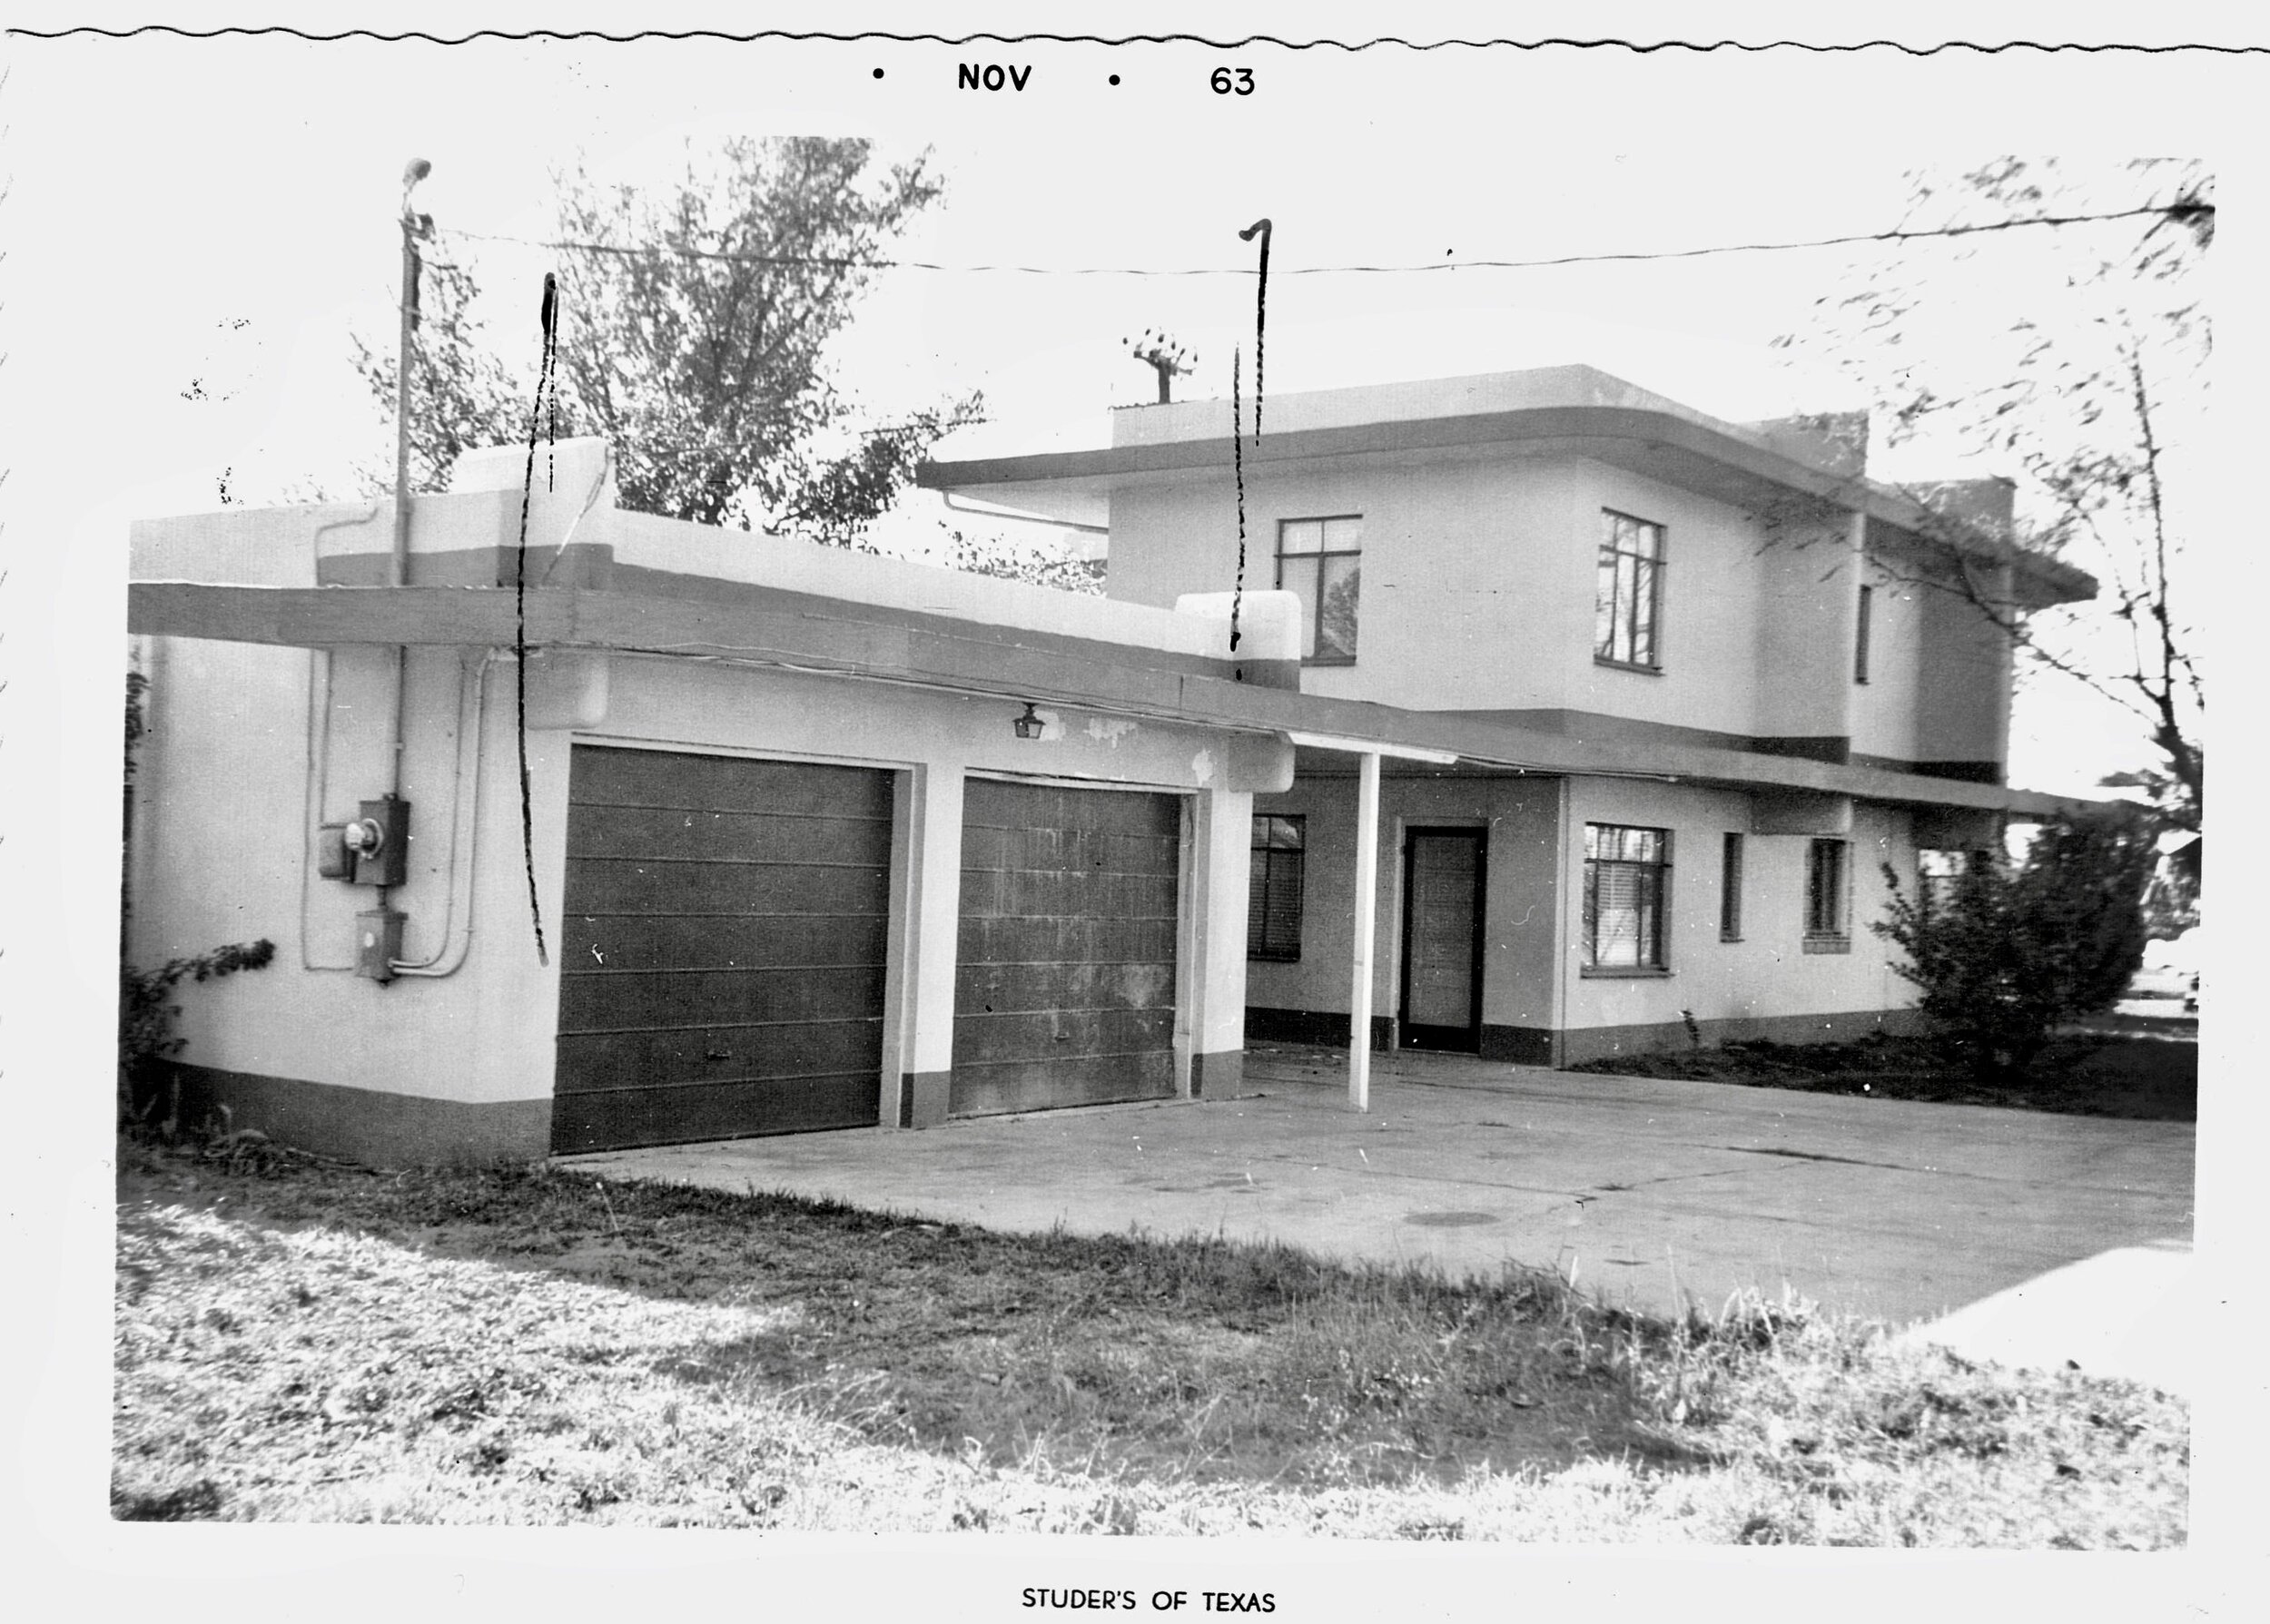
(1442, 939)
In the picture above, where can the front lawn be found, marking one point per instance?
(2105, 1072)
(304, 1342)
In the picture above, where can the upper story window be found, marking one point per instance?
(1627, 876)
(1629, 604)
(1280, 855)
(1321, 559)
(1860, 634)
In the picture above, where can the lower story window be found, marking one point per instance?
(1280, 847)
(1827, 887)
(1938, 872)
(1627, 875)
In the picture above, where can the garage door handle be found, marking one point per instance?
(718, 1054)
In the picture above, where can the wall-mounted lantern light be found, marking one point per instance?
(1029, 724)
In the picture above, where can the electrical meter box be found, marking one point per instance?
(379, 842)
(378, 942)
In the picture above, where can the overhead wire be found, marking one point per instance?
(2183, 208)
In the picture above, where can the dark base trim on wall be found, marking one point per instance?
(923, 1097)
(368, 1126)
(1580, 1044)
(1518, 1046)
(1542, 1046)
(1327, 1027)
(1218, 1076)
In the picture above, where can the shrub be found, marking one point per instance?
(2017, 947)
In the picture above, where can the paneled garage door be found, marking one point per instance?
(1064, 993)
(723, 949)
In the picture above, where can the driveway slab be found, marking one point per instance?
(1651, 1192)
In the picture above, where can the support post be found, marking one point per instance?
(1366, 909)
(918, 1039)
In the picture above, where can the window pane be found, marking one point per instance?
(1642, 612)
(1298, 576)
(1285, 834)
(1628, 569)
(1343, 534)
(1603, 620)
(1300, 536)
(1336, 625)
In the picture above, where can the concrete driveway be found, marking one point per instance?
(1649, 1191)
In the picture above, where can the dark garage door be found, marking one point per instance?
(723, 949)
(1064, 993)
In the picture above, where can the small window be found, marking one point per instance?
(1628, 874)
(1859, 635)
(1730, 889)
(1629, 602)
(1826, 887)
(1321, 561)
(1273, 909)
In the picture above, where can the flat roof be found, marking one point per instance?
(771, 627)
(1570, 411)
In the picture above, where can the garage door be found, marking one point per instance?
(721, 949)
(1064, 993)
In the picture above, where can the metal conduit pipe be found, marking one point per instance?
(464, 821)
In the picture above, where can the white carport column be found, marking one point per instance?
(1211, 1020)
(918, 1048)
(1367, 908)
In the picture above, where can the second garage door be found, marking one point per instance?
(1065, 991)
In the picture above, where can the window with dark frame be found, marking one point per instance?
(1280, 845)
(1730, 889)
(1825, 885)
(1627, 884)
(1859, 635)
(1320, 560)
(1628, 606)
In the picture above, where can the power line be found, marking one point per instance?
(2182, 210)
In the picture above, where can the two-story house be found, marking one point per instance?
(1547, 717)
(1669, 697)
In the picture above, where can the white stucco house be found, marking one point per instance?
(1660, 697)
(1557, 717)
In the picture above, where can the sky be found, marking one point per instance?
(230, 210)
(194, 227)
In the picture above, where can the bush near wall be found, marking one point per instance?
(2017, 948)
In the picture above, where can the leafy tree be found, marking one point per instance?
(2074, 357)
(692, 335)
(2011, 950)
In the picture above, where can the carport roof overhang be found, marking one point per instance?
(1689, 452)
(834, 637)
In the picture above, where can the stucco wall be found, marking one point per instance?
(1884, 707)
(1532, 973)
(225, 836)
(1518, 960)
(1479, 584)
(1768, 974)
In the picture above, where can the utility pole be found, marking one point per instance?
(414, 227)
(1163, 356)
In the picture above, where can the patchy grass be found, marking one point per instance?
(303, 1341)
(2089, 1073)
